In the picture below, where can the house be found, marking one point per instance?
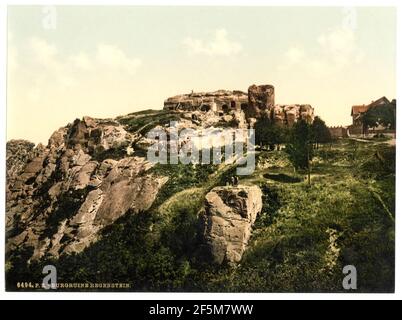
(357, 112)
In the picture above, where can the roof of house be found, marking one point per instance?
(363, 108)
(382, 100)
(359, 109)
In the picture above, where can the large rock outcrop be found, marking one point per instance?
(61, 196)
(226, 222)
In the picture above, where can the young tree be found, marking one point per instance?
(299, 147)
(320, 132)
(267, 133)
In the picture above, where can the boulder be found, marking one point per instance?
(226, 222)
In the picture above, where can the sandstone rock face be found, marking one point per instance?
(226, 222)
(97, 135)
(19, 153)
(61, 196)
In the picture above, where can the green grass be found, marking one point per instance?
(142, 122)
(289, 250)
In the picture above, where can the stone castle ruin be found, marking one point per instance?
(258, 101)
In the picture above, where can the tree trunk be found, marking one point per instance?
(308, 165)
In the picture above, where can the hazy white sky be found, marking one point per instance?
(67, 62)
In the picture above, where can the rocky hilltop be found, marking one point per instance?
(94, 171)
(61, 196)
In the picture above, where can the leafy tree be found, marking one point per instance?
(267, 133)
(320, 132)
(299, 147)
(384, 115)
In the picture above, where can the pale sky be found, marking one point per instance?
(68, 62)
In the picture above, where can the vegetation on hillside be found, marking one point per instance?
(300, 242)
(143, 121)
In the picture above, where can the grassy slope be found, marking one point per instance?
(306, 235)
(143, 121)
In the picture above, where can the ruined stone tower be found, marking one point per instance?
(260, 99)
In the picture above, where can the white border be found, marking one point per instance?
(188, 296)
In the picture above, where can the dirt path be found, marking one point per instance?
(188, 197)
(390, 142)
(360, 140)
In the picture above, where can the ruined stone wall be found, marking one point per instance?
(259, 101)
(218, 101)
(289, 114)
(339, 132)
